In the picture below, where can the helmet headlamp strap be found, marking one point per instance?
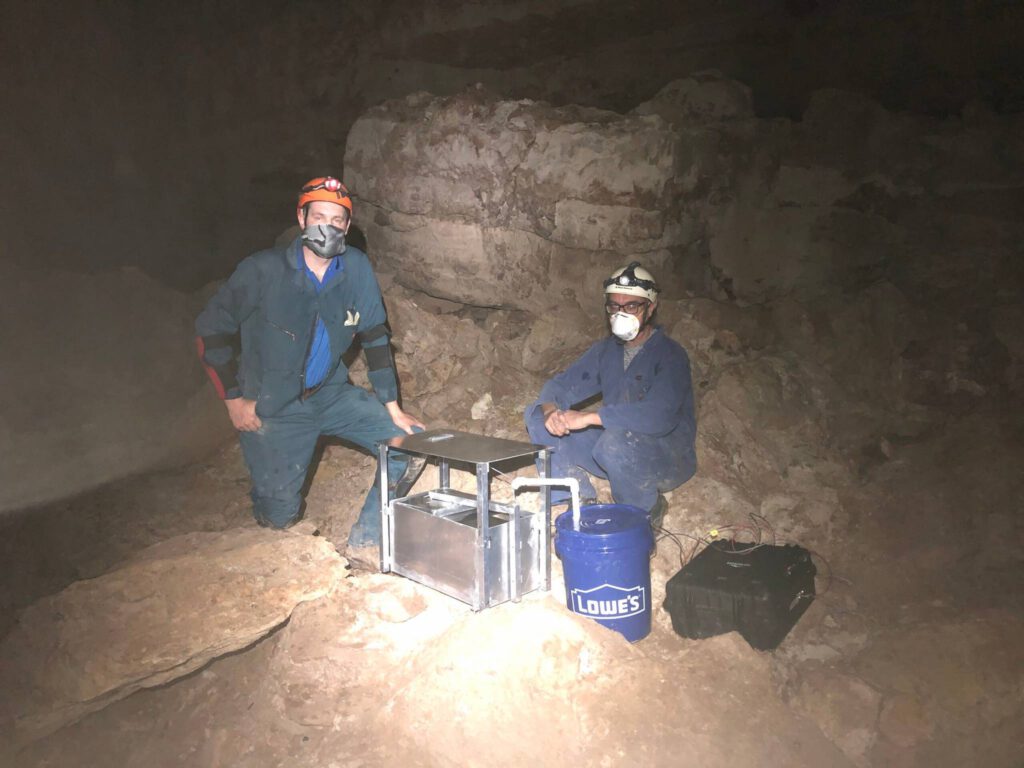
(628, 278)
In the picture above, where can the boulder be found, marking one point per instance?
(703, 97)
(767, 250)
(175, 607)
(844, 707)
(964, 675)
(512, 203)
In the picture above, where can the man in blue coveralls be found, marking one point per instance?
(642, 437)
(271, 340)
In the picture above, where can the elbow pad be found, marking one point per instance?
(378, 358)
(218, 353)
(372, 334)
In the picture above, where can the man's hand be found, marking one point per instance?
(575, 420)
(560, 423)
(243, 414)
(554, 420)
(403, 420)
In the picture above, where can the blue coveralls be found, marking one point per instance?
(647, 442)
(275, 307)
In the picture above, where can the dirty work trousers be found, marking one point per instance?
(278, 455)
(637, 466)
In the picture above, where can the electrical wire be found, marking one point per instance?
(674, 537)
(828, 566)
(759, 523)
(755, 530)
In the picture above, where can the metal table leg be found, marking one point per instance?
(386, 528)
(513, 542)
(545, 534)
(483, 533)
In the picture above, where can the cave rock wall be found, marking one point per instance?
(512, 204)
(99, 382)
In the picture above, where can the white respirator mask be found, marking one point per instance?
(625, 326)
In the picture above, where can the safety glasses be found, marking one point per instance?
(632, 307)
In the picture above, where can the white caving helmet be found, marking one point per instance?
(633, 280)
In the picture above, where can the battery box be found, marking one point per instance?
(729, 586)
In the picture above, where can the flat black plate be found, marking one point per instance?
(454, 445)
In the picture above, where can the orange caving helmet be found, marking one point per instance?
(327, 189)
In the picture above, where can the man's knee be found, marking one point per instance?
(632, 457)
(276, 491)
(616, 448)
(534, 419)
(278, 510)
(277, 470)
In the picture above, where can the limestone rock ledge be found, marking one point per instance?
(512, 204)
(159, 617)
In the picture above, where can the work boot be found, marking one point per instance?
(400, 487)
(365, 532)
(263, 522)
(657, 513)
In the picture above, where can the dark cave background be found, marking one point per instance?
(173, 137)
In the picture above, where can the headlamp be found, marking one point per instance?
(331, 184)
(628, 279)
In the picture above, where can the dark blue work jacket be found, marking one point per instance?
(654, 396)
(273, 305)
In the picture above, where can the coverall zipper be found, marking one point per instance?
(283, 330)
(305, 358)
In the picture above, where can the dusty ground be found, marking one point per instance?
(858, 393)
(913, 655)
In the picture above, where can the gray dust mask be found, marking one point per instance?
(324, 240)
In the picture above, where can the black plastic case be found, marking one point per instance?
(760, 593)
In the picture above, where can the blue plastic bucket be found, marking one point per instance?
(607, 566)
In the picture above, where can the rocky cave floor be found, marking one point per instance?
(912, 654)
(848, 289)
(846, 280)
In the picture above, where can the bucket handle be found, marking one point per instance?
(571, 482)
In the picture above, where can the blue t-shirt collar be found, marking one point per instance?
(333, 268)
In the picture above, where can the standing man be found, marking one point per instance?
(271, 340)
(642, 437)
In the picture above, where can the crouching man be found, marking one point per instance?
(642, 437)
(272, 339)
